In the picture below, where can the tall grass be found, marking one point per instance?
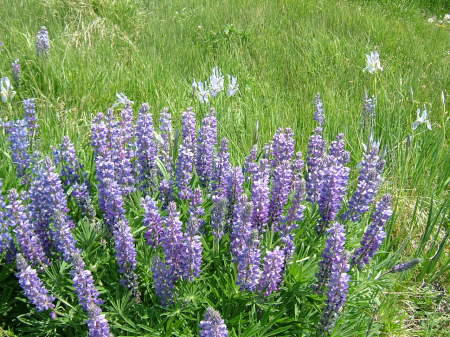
(283, 53)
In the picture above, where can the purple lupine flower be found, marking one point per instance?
(218, 215)
(337, 292)
(260, 196)
(337, 150)
(88, 295)
(42, 42)
(404, 266)
(235, 193)
(272, 274)
(281, 188)
(153, 222)
(222, 168)
(17, 72)
(30, 243)
(368, 113)
(64, 239)
(19, 143)
(193, 253)
(32, 285)
(29, 106)
(47, 199)
(248, 262)
(186, 157)
(165, 191)
(315, 159)
(245, 246)
(126, 150)
(206, 149)
(333, 189)
(283, 146)
(147, 149)
(333, 255)
(5, 237)
(287, 223)
(98, 325)
(319, 114)
(251, 167)
(163, 280)
(166, 139)
(173, 243)
(375, 234)
(213, 325)
(126, 255)
(369, 180)
(184, 172)
(72, 175)
(196, 212)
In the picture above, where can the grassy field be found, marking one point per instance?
(283, 53)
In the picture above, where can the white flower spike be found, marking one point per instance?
(422, 118)
(373, 62)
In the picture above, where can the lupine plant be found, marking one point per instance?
(195, 215)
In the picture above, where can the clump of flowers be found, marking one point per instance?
(207, 90)
(213, 325)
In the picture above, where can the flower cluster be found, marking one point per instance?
(17, 72)
(19, 142)
(204, 91)
(213, 325)
(42, 42)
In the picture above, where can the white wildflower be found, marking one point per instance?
(422, 118)
(6, 89)
(122, 100)
(233, 86)
(373, 62)
(216, 82)
(200, 89)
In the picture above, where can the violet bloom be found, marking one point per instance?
(28, 240)
(260, 196)
(245, 248)
(368, 115)
(147, 149)
(153, 222)
(375, 234)
(47, 199)
(206, 149)
(126, 150)
(281, 188)
(218, 215)
(29, 106)
(174, 243)
(404, 266)
(72, 175)
(32, 286)
(186, 157)
(193, 253)
(5, 236)
(319, 114)
(337, 150)
(333, 189)
(333, 254)
(17, 72)
(283, 146)
(272, 274)
(19, 143)
(196, 212)
(213, 325)
(98, 325)
(315, 162)
(126, 255)
(337, 292)
(235, 193)
(369, 180)
(222, 168)
(163, 280)
(251, 167)
(42, 42)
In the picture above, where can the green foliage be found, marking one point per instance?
(283, 52)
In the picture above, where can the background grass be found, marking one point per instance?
(283, 53)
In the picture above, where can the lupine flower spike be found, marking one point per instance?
(213, 325)
(17, 72)
(42, 42)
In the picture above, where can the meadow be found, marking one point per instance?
(282, 53)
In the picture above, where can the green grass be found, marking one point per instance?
(283, 53)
